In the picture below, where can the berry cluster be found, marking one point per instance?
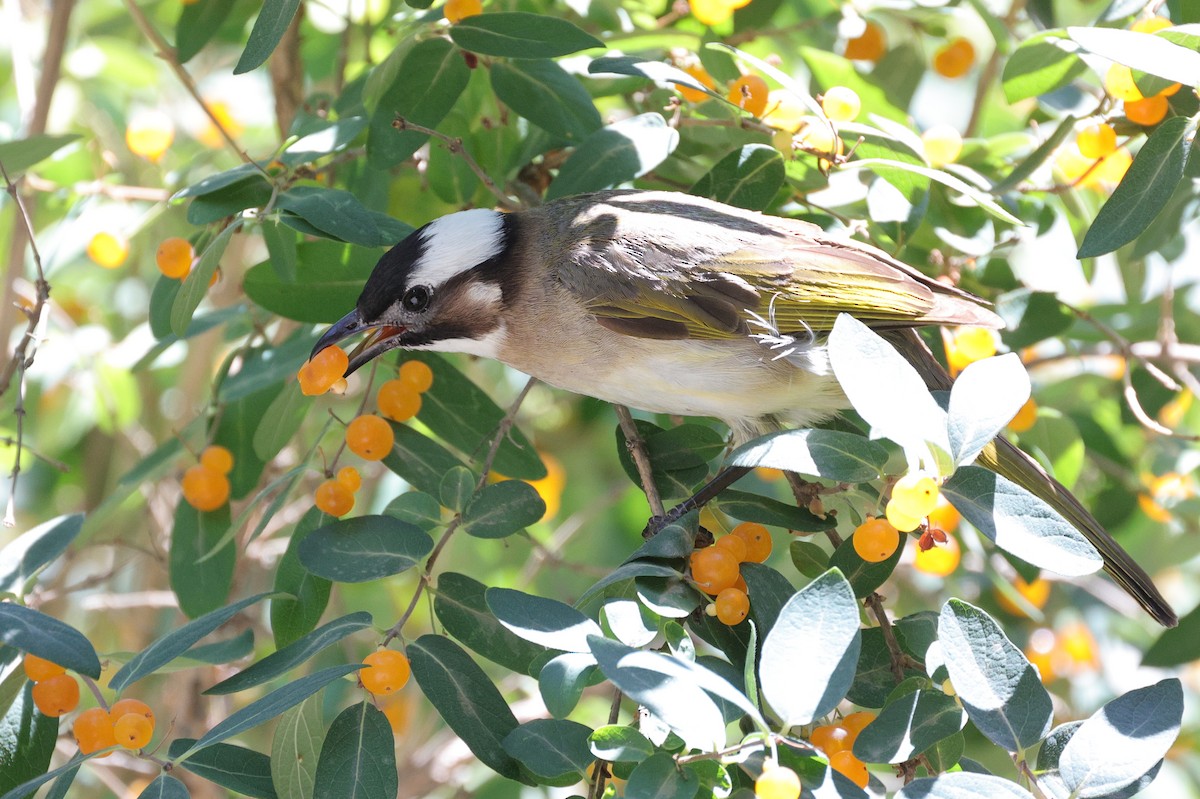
(914, 496)
(206, 485)
(129, 723)
(388, 671)
(323, 372)
(837, 742)
(335, 496)
(716, 570)
(399, 399)
(54, 691)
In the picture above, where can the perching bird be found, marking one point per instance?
(672, 303)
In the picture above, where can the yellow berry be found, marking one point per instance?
(370, 437)
(1151, 24)
(1096, 140)
(749, 92)
(875, 540)
(944, 516)
(1118, 82)
(108, 250)
(387, 672)
(1036, 594)
(904, 522)
(777, 782)
(939, 560)
(149, 135)
(205, 488)
(954, 59)
(458, 10)
(915, 494)
(870, 46)
(714, 12)
(841, 104)
(943, 145)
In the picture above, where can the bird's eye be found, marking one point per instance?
(416, 299)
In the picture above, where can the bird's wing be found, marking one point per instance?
(797, 279)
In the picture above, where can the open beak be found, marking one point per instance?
(379, 339)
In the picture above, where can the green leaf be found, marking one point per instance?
(615, 154)
(660, 777)
(983, 400)
(228, 202)
(908, 725)
(165, 649)
(1042, 63)
(270, 706)
(198, 23)
(416, 507)
(201, 583)
(864, 576)
(462, 414)
(829, 69)
(324, 139)
(617, 743)
(548, 96)
(563, 679)
(358, 758)
(295, 749)
(466, 699)
(20, 154)
(25, 556)
(1019, 522)
(35, 632)
(657, 71)
(363, 548)
(329, 277)
(1122, 740)
(546, 622)
(503, 508)
(832, 454)
(272, 22)
(809, 559)
(195, 286)
(27, 741)
(975, 194)
(292, 655)
(516, 34)
(461, 606)
(556, 750)
(341, 216)
(1178, 645)
(237, 768)
(962, 785)
(1032, 316)
(1001, 692)
(219, 652)
(771, 593)
(749, 177)
(293, 616)
(764, 510)
(1144, 51)
(281, 422)
(165, 786)
(419, 459)
(431, 76)
(221, 180)
(625, 573)
(1023, 170)
(822, 621)
(1144, 191)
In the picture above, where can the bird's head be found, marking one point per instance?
(443, 288)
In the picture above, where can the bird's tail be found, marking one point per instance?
(1007, 460)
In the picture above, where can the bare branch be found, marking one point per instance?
(455, 146)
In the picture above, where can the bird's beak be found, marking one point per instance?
(380, 339)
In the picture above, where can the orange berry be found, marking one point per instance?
(777, 782)
(841, 104)
(1036, 594)
(714, 569)
(831, 738)
(334, 498)
(398, 400)
(749, 93)
(458, 10)
(732, 606)
(735, 545)
(56, 695)
(1110, 170)
(870, 46)
(350, 478)
(1171, 90)
(387, 673)
(758, 541)
(149, 135)
(326, 367)
(204, 488)
(174, 257)
(1096, 140)
(370, 437)
(1118, 82)
(701, 76)
(417, 374)
(38, 669)
(915, 494)
(125, 706)
(94, 730)
(1025, 417)
(954, 59)
(108, 249)
(875, 540)
(1149, 111)
(850, 767)
(217, 458)
(939, 560)
(855, 722)
(133, 730)
(944, 516)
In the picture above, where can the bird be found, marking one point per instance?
(678, 304)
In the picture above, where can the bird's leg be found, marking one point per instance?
(723, 480)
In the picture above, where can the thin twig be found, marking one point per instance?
(100, 188)
(637, 449)
(455, 146)
(601, 773)
(9, 441)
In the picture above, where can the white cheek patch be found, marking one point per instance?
(485, 295)
(456, 243)
(489, 346)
